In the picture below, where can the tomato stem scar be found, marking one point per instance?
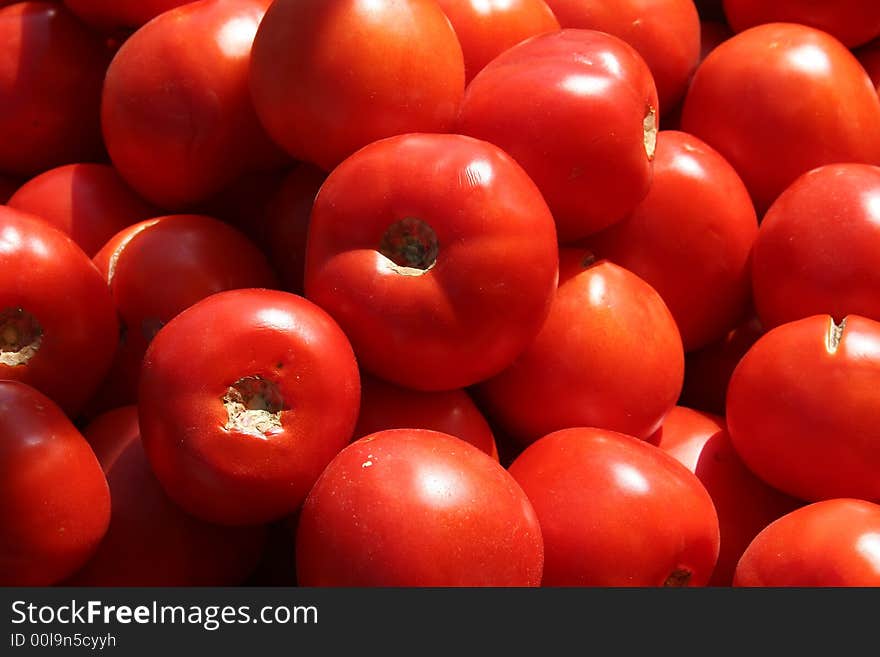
(253, 407)
(20, 336)
(412, 245)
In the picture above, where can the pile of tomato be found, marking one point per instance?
(439, 293)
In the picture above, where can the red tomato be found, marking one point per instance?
(816, 252)
(869, 58)
(608, 356)
(112, 14)
(809, 102)
(707, 371)
(193, 256)
(616, 511)
(58, 327)
(803, 410)
(689, 238)
(409, 507)
(854, 22)
(51, 71)
(176, 110)
(578, 110)
(386, 406)
(666, 33)
(831, 543)
(244, 398)
(744, 503)
(89, 202)
(54, 502)
(436, 254)
(486, 29)
(331, 76)
(151, 541)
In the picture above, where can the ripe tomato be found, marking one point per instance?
(689, 238)
(809, 102)
(578, 110)
(436, 254)
(387, 406)
(744, 503)
(54, 501)
(112, 14)
(831, 543)
(51, 71)
(331, 76)
(486, 29)
(616, 511)
(176, 111)
(244, 398)
(58, 327)
(802, 408)
(816, 252)
(409, 507)
(609, 355)
(854, 22)
(151, 541)
(193, 256)
(89, 202)
(666, 33)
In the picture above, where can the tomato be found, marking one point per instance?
(707, 371)
(193, 256)
(831, 543)
(689, 238)
(58, 327)
(176, 111)
(331, 76)
(578, 110)
(744, 503)
(89, 202)
(666, 33)
(609, 355)
(111, 14)
(54, 501)
(151, 541)
(386, 406)
(486, 29)
(816, 252)
(869, 58)
(51, 71)
(809, 102)
(854, 22)
(436, 254)
(244, 398)
(802, 408)
(408, 507)
(616, 511)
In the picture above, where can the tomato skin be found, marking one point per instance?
(331, 76)
(387, 406)
(113, 14)
(89, 202)
(51, 71)
(816, 251)
(853, 22)
(690, 238)
(666, 33)
(176, 111)
(809, 103)
(573, 113)
(797, 403)
(616, 511)
(609, 355)
(468, 315)
(485, 30)
(150, 540)
(830, 543)
(744, 503)
(408, 507)
(49, 278)
(229, 476)
(54, 500)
